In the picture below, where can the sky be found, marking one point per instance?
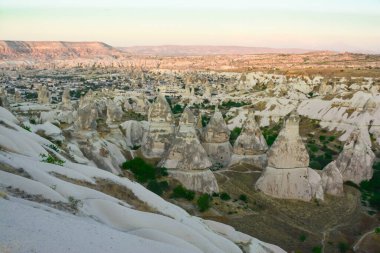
(342, 25)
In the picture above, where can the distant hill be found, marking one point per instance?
(44, 50)
(174, 50)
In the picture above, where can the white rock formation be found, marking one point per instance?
(134, 132)
(356, 160)
(114, 112)
(3, 98)
(161, 129)
(86, 117)
(187, 160)
(287, 175)
(216, 142)
(66, 99)
(250, 146)
(332, 180)
(43, 95)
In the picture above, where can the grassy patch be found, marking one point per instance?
(204, 202)
(181, 192)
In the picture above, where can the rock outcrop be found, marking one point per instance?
(43, 95)
(87, 114)
(287, 175)
(161, 129)
(187, 160)
(250, 146)
(66, 99)
(216, 142)
(3, 98)
(114, 112)
(134, 132)
(332, 180)
(356, 160)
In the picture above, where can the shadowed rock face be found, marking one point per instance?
(288, 151)
(250, 141)
(356, 160)
(161, 129)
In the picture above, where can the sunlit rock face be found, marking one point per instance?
(43, 95)
(288, 151)
(250, 146)
(216, 142)
(161, 129)
(287, 175)
(356, 160)
(187, 160)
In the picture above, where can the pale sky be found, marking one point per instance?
(344, 25)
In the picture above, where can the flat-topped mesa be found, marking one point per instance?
(250, 141)
(216, 142)
(186, 159)
(250, 147)
(43, 95)
(161, 129)
(66, 99)
(356, 160)
(288, 151)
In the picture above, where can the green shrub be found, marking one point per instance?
(32, 121)
(377, 230)
(322, 138)
(205, 120)
(27, 128)
(224, 196)
(234, 134)
(157, 187)
(140, 169)
(302, 237)
(177, 109)
(343, 247)
(230, 104)
(54, 147)
(312, 147)
(181, 192)
(317, 249)
(204, 202)
(243, 197)
(331, 138)
(51, 159)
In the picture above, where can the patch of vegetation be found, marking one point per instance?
(157, 187)
(54, 147)
(270, 133)
(317, 249)
(230, 104)
(302, 237)
(27, 128)
(343, 247)
(51, 159)
(234, 135)
(142, 171)
(131, 115)
(32, 121)
(371, 189)
(377, 230)
(224, 196)
(205, 120)
(204, 202)
(243, 197)
(74, 203)
(181, 192)
(177, 109)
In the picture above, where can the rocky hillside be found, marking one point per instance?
(44, 50)
(178, 50)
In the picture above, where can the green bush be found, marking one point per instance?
(377, 230)
(343, 247)
(204, 202)
(224, 196)
(317, 249)
(140, 169)
(27, 128)
(177, 109)
(181, 192)
(312, 147)
(157, 187)
(243, 197)
(322, 138)
(234, 134)
(51, 159)
(230, 104)
(302, 237)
